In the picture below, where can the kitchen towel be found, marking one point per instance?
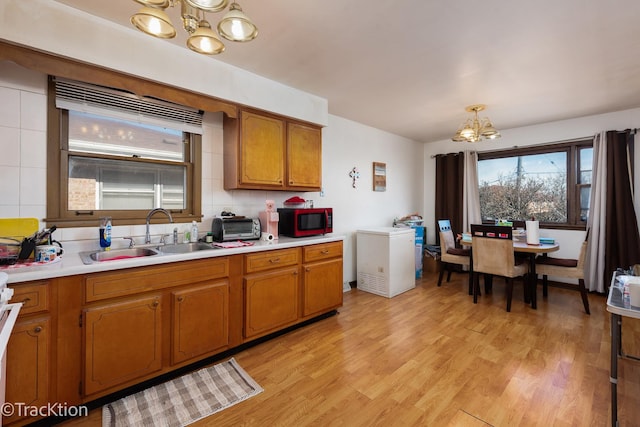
(533, 233)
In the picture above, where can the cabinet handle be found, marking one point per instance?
(324, 251)
(307, 269)
(26, 300)
(155, 304)
(180, 299)
(274, 260)
(37, 329)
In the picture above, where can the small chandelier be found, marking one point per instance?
(474, 129)
(234, 26)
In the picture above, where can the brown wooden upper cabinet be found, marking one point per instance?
(268, 152)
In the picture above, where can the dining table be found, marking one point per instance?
(532, 251)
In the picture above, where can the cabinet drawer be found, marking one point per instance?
(322, 251)
(101, 286)
(34, 297)
(271, 259)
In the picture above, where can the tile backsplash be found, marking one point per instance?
(23, 117)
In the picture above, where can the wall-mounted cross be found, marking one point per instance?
(354, 174)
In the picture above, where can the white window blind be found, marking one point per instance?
(84, 97)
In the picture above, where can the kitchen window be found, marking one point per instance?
(550, 183)
(119, 155)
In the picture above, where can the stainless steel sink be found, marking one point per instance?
(116, 254)
(183, 248)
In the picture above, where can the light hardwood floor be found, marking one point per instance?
(430, 357)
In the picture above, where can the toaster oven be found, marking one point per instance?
(240, 228)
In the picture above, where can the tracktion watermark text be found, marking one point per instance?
(49, 410)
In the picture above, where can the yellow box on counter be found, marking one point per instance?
(18, 227)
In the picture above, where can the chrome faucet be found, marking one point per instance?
(147, 236)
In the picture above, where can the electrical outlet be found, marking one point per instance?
(322, 192)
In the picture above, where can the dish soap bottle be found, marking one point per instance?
(105, 233)
(194, 232)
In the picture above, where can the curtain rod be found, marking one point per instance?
(527, 146)
(433, 156)
(564, 141)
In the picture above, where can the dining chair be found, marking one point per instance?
(493, 254)
(450, 254)
(562, 267)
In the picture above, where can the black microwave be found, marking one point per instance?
(301, 222)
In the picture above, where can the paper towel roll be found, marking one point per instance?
(533, 233)
(266, 237)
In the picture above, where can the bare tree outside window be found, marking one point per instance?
(534, 183)
(521, 196)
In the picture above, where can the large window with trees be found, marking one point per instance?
(551, 183)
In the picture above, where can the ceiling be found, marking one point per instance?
(410, 67)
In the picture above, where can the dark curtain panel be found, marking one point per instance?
(622, 240)
(449, 188)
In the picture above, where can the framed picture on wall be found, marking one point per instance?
(379, 176)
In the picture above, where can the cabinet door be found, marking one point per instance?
(322, 287)
(271, 300)
(200, 320)
(122, 342)
(304, 161)
(262, 153)
(27, 379)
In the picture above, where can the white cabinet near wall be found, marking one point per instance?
(385, 260)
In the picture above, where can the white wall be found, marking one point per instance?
(23, 141)
(58, 29)
(584, 127)
(345, 144)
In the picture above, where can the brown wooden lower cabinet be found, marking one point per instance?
(320, 292)
(79, 338)
(123, 341)
(321, 278)
(28, 365)
(29, 351)
(200, 320)
(271, 301)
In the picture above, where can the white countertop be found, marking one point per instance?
(71, 264)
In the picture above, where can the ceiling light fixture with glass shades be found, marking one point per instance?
(475, 129)
(235, 26)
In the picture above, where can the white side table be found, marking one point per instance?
(615, 306)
